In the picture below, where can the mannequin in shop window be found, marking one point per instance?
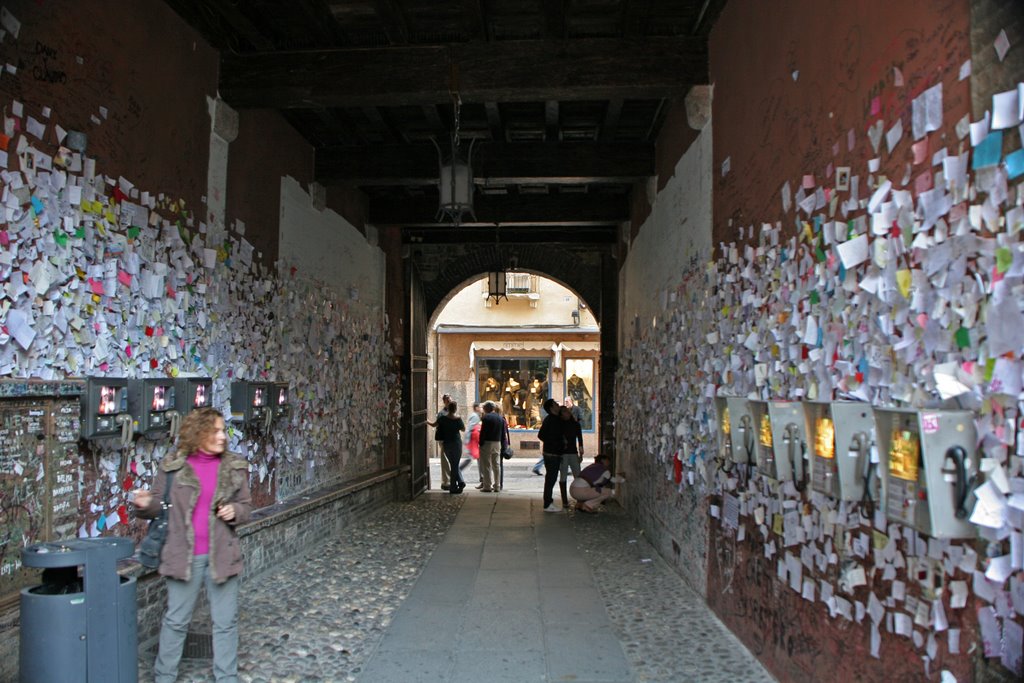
(512, 400)
(490, 390)
(538, 393)
(576, 389)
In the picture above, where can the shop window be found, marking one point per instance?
(518, 385)
(579, 390)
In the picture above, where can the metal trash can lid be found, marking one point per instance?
(74, 551)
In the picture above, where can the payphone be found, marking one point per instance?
(741, 432)
(193, 392)
(724, 458)
(152, 405)
(840, 435)
(280, 400)
(764, 439)
(250, 403)
(105, 409)
(931, 466)
(789, 439)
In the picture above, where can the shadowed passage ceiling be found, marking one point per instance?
(561, 99)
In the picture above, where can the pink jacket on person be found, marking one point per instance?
(225, 548)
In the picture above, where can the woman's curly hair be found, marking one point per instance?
(196, 429)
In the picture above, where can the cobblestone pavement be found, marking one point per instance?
(668, 632)
(318, 619)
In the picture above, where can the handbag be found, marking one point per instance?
(156, 535)
(507, 452)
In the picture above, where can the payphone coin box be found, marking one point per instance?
(723, 423)
(741, 431)
(929, 460)
(151, 403)
(104, 399)
(839, 441)
(788, 439)
(249, 401)
(764, 439)
(280, 399)
(192, 393)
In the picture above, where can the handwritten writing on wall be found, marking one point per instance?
(39, 482)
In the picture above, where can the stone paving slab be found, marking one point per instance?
(317, 620)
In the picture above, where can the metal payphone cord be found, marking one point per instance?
(964, 485)
(726, 465)
(791, 434)
(859, 442)
(127, 429)
(748, 446)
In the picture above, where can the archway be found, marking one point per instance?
(541, 342)
(434, 276)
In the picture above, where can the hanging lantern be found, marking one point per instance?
(496, 281)
(455, 175)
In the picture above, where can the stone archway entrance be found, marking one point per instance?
(436, 272)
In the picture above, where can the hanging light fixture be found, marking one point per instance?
(455, 170)
(497, 279)
(496, 286)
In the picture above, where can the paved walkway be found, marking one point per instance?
(507, 596)
(479, 587)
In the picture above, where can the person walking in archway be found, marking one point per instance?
(552, 438)
(491, 428)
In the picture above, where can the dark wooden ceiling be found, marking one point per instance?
(563, 98)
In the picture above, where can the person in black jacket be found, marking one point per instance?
(449, 432)
(552, 436)
(572, 453)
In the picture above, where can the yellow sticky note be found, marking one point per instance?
(777, 525)
(903, 282)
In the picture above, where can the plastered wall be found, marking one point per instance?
(676, 235)
(787, 308)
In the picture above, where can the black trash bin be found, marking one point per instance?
(79, 625)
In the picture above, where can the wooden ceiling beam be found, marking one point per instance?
(241, 24)
(551, 121)
(321, 22)
(523, 234)
(376, 118)
(567, 163)
(635, 14)
(475, 19)
(611, 120)
(538, 210)
(494, 121)
(554, 19)
(392, 18)
(512, 71)
(433, 117)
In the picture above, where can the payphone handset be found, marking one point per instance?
(842, 455)
(741, 432)
(105, 409)
(723, 420)
(152, 405)
(931, 466)
(764, 439)
(789, 436)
